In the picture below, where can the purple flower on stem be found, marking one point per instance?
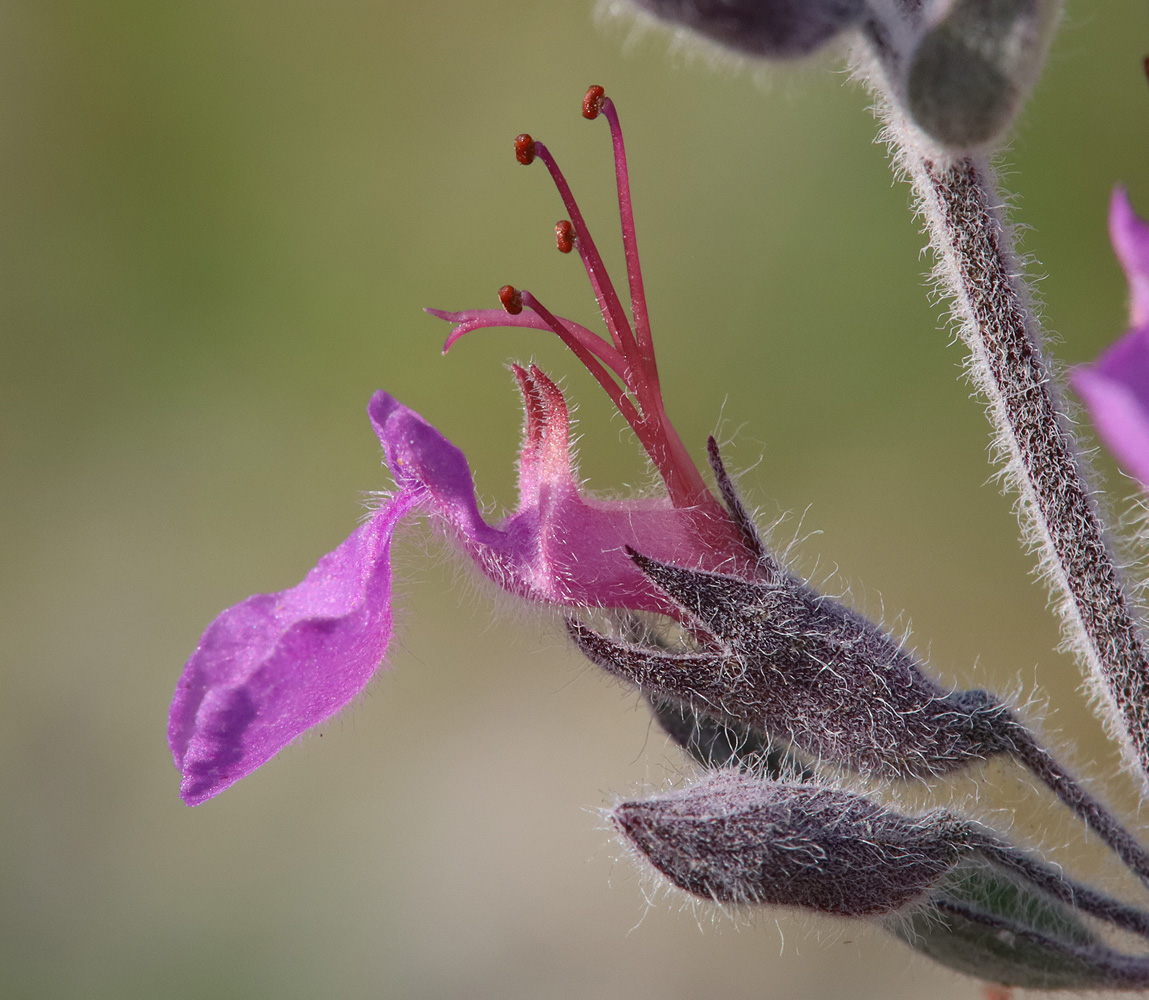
(274, 665)
(1116, 386)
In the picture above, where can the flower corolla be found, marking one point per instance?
(274, 665)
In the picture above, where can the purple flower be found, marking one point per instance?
(273, 666)
(1116, 386)
(739, 838)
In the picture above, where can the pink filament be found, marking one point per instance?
(630, 353)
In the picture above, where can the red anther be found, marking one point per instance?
(564, 236)
(511, 298)
(592, 103)
(524, 149)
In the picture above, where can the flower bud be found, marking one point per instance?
(726, 742)
(950, 888)
(735, 838)
(774, 29)
(975, 65)
(807, 671)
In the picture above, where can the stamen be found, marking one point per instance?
(616, 393)
(512, 299)
(629, 357)
(608, 301)
(592, 103)
(652, 427)
(524, 149)
(564, 236)
(672, 460)
(629, 242)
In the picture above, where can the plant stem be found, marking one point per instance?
(979, 268)
(1089, 810)
(1099, 966)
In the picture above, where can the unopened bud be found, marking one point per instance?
(807, 671)
(735, 838)
(817, 678)
(949, 887)
(975, 66)
(774, 29)
(727, 742)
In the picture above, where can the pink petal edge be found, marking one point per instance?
(274, 665)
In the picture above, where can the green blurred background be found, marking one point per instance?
(219, 224)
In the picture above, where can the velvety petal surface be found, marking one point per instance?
(274, 665)
(559, 547)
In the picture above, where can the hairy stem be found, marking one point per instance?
(1111, 969)
(979, 268)
(1051, 881)
(1085, 806)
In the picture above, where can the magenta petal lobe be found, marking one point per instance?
(1115, 387)
(1116, 391)
(420, 457)
(1129, 234)
(274, 665)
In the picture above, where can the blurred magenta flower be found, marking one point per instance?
(1116, 386)
(274, 665)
